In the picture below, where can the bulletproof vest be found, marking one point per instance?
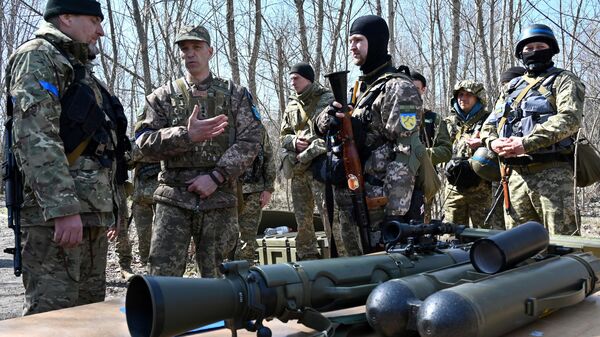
(538, 105)
(216, 101)
(83, 120)
(112, 107)
(427, 132)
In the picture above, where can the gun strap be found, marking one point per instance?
(72, 157)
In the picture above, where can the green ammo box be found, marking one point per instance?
(274, 249)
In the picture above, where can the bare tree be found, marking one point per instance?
(233, 54)
(453, 66)
(255, 48)
(302, 31)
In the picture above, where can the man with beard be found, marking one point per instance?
(389, 110)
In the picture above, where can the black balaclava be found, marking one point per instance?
(375, 29)
(538, 60)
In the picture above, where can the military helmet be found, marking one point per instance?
(485, 164)
(474, 87)
(536, 33)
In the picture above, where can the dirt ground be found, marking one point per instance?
(12, 291)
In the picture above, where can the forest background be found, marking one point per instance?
(256, 41)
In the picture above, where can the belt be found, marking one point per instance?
(537, 167)
(538, 158)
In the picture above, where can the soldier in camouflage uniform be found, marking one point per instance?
(257, 187)
(301, 146)
(68, 189)
(468, 197)
(389, 108)
(123, 244)
(532, 130)
(206, 132)
(434, 135)
(145, 182)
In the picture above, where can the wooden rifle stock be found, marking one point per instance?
(351, 159)
(504, 173)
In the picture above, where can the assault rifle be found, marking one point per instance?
(13, 188)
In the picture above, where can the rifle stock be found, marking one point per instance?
(351, 158)
(13, 194)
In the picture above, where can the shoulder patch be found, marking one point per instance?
(408, 120)
(253, 107)
(50, 87)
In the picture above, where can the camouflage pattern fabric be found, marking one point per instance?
(551, 186)
(472, 203)
(350, 237)
(545, 196)
(57, 278)
(392, 123)
(215, 233)
(469, 206)
(142, 206)
(123, 245)
(162, 136)
(38, 76)
(249, 221)
(298, 122)
(306, 194)
(265, 175)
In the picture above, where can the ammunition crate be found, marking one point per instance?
(274, 249)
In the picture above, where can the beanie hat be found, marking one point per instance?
(303, 69)
(81, 7)
(375, 29)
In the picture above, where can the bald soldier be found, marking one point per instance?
(206, 132)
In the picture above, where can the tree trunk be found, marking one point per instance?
(143, 41)
(302, 30)
(455, 48)
(319, 50)
(233, 55)
(391, 19)
(255, 49)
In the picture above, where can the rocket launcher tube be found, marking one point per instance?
(166, 306)
(506, 301)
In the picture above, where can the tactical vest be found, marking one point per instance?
(86, 125)
(204, 155)
(255, 173)
(536, 107)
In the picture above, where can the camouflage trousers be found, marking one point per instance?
(350, 237)
(471, 205)
(306, 194)
(249, 220)
(56, 277)
(215, 233)
(143, 212)
(123, 245)
(545, 196)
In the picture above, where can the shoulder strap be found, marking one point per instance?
(182, 88)
(515, 104)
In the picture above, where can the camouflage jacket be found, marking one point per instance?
(39, 76)
(438, 143)
(145, 177)
(390, 108)
(461, 130)
(569, 93)
(298, 122)
(161, 135)
(260, 176)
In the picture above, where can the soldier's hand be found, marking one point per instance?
(203, 185)
(112, 233)
(500, 146)
(200, 130)
(68, 231)
(301, 144)
(265, 197)
(474, 143)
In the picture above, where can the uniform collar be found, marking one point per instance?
(77, 50)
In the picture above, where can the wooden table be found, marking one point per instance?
(107, 319)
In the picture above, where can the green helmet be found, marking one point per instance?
(474, 87)
(536, 33)
(485, 163)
